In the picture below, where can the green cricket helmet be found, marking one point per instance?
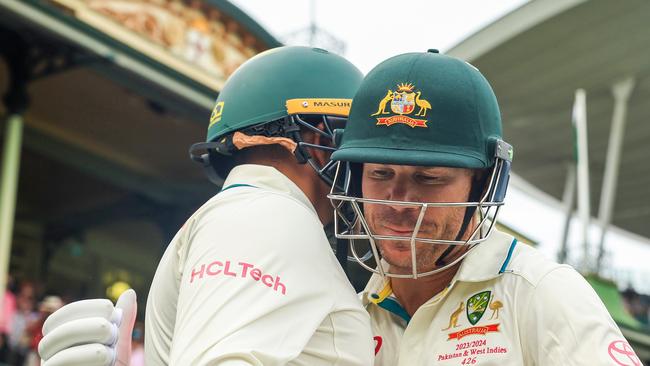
(270, 97)
(422, 109)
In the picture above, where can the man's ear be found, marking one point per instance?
(320, 156)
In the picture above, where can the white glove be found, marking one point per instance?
(90, 333)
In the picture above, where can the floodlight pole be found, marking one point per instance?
(569, 199)
(621, 92)
(16, 101)
(580, 119)
(313, 30)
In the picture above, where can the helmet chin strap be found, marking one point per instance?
(474, 196)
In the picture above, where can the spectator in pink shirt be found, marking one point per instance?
(7, 311)
(19, 340)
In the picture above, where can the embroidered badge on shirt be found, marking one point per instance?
(477, 304)
(477, 346)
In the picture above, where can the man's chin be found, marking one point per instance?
(397, 255)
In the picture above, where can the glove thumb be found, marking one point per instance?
(128, 306)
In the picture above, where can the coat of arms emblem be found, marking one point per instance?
(476, 306)
(403, 101)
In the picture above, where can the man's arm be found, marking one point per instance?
(567, 323)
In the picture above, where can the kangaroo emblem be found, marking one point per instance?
(453, 319)
(382, 105)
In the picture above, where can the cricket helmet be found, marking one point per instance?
(422, 109)
(270, 97)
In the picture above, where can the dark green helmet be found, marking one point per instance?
(422, 109)
(270, 95)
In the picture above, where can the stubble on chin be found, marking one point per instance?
(402, 262)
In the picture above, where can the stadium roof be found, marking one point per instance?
(115, 93)
(536, 57)
(110, 101)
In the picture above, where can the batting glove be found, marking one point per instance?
(90, 332)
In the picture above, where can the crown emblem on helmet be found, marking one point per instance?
(402, 87)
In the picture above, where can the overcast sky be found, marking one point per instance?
(375, 30)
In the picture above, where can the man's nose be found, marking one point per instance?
(401, 192)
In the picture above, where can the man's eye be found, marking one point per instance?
(381, 174)
(428, 179)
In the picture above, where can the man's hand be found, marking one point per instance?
(90, 333)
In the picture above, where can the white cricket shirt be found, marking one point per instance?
(506, 305)
(250, 279)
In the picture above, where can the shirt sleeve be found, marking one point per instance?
(254, 285)
(160, 315)
(567, 324)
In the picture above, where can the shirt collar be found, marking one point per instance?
(381, 295)
(488, 259)
(377, 288)
(268, 178)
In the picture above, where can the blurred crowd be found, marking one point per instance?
(22, 315)
(638, 305)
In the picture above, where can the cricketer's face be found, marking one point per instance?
(414, 184)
